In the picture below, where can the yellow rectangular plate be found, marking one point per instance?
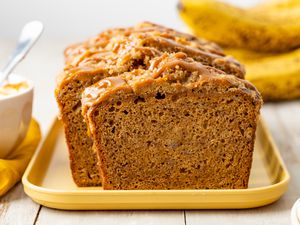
(48, 181)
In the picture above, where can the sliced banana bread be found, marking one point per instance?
(173, 124)
(112, 53)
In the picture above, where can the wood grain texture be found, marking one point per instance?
(50, 216)
(16, 208)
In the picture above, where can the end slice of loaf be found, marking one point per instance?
(112, 53)
(176, 125)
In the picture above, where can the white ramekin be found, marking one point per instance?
(15, 116)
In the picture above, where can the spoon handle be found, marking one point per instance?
(29, 35)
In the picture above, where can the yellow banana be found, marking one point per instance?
(276, 76)
(276, 5)
(288, 9)
(241, 28)
(244, 55)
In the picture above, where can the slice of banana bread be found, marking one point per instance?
(175, 124)
(112, 53)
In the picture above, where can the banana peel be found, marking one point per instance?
(274, 6)
(276, 76)
(235, 27)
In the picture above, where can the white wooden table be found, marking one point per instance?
(43, 65)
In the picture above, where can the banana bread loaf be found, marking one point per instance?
(174, 124)
(113, 53)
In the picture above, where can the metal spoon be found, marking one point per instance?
(29, 35)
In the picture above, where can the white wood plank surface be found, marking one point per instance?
(50, 216)
(17, 209)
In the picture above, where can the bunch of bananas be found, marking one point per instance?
(265, 38)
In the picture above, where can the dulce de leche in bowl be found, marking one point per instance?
(16, 96)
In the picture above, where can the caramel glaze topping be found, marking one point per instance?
(116, 47)
(195, 74)
(146, 50)
(94, 91)
(110, 36)
(177, 62)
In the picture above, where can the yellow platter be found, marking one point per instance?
(48, 182)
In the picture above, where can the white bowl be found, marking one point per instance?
(15, 116)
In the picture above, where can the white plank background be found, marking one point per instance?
(17, 209)
(50, 216)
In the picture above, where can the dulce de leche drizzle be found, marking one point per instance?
(147, 46)
(229, 65)
(177, 61)
(144, 37)
(94, 92)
